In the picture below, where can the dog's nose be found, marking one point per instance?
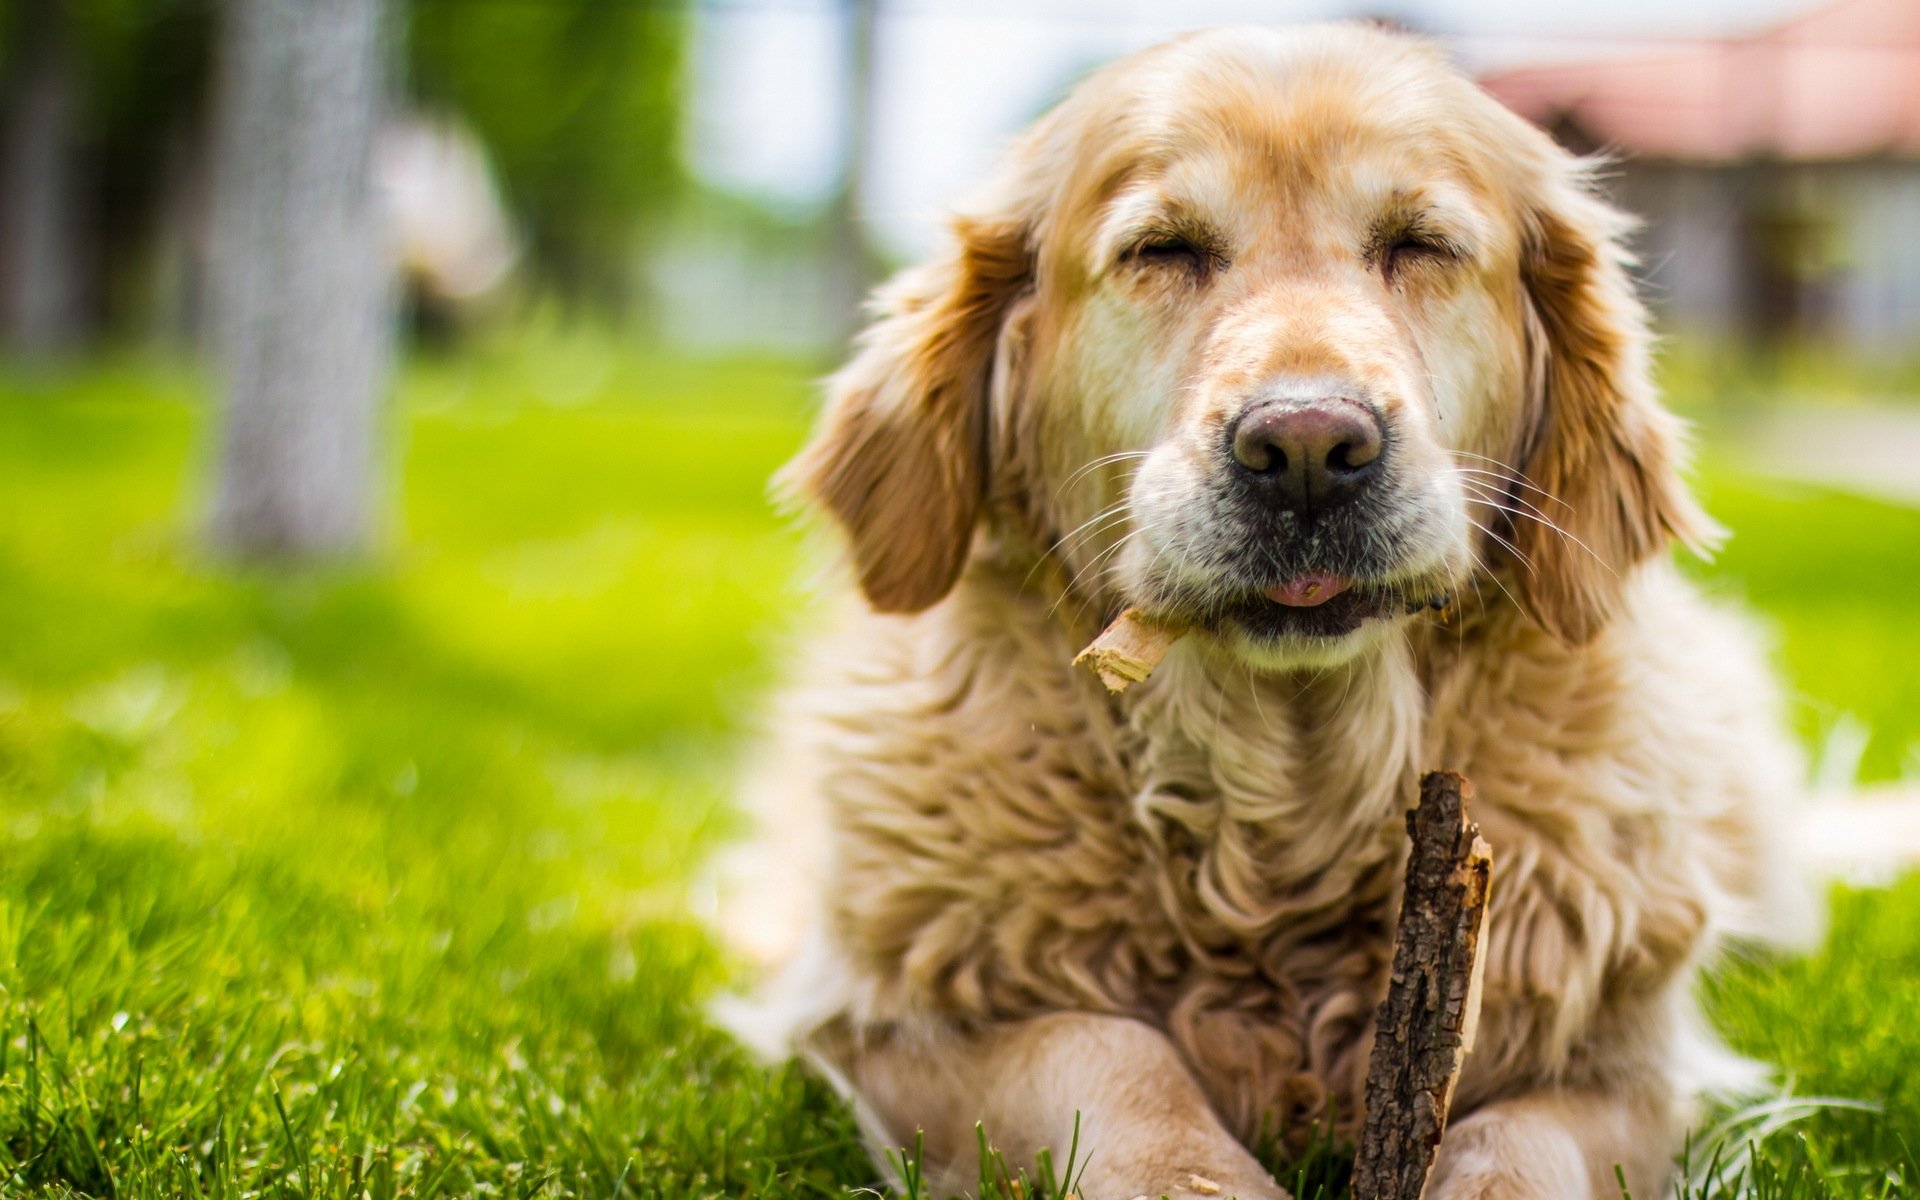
(1308, 454)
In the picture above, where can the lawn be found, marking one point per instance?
(380, 882)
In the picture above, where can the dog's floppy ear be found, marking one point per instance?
(1603, 454)
(900, 457)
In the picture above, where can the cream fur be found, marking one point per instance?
(1171, 912)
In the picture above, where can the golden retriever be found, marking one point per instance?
(1300, 339)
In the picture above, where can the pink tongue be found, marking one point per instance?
(1307, 591)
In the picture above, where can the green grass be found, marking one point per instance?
(378, 882)
(1708, 374)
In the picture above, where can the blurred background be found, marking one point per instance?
(388, 588)
(731, 176)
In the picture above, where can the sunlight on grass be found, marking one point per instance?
(375, 881)
(379, 875)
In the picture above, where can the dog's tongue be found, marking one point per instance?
(1307, 591)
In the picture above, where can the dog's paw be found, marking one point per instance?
(1202, 1188)
(1498, 1157)
(1192, 1185)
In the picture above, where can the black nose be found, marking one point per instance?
(1309, 454)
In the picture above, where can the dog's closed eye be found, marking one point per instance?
(1406, 245)
(1177, 251)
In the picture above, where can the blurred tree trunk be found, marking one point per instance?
(855, 264)
(41, 308)
(300, 280)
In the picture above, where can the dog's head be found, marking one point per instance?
(1284, 334)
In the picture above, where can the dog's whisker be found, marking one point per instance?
(1478, 477)
(1501, 471)
(1499, 500)
(1514, 476)
(1103, 461)
(1118, 506)
(1483, 478)
(1512, 549)
(1096, 561)
(1494, 577)
(1512, 486)
(1092, 527)
(1107, 525)
(1535, 516)
(1067, 543)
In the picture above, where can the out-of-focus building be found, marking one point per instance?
(1778, 173)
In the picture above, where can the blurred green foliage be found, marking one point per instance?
(387, 882)
(578, 102)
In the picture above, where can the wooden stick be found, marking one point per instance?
(1424, 1027)
(1128, 650)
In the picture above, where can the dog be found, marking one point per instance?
(1296, 339)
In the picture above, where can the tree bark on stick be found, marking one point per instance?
(1128, 650)
(301, 282)
(1424, 1027)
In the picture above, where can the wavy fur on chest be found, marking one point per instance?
(1218, 853)
(1196, 858)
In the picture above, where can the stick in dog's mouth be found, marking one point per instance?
(1128, 650)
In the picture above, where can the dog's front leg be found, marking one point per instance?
(1559, 1145)
(1145, 1127)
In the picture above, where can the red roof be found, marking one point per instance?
(1840, 82)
